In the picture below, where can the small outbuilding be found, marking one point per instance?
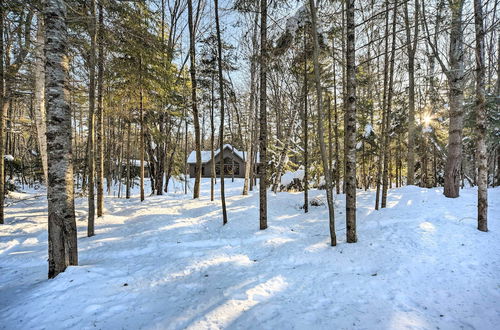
(234, 162)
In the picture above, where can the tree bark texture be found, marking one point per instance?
(456, 81)
(350, 126)
(263, 117)
(61, 208)
(40, 114)
(482, 168)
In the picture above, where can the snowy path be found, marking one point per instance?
(168, 263)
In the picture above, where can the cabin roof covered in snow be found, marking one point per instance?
(206, 154)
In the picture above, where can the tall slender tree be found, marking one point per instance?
(91, 120)
(221, 127)
(319, 100)
(263, 117)
(411, 46)
(350, 133)
(141, 132)
(100, 113)
(251, 105)
(2, 114)
(39, 110)
(387, 124)
(381, 142)
(194, 104)
(306, 131)
(482, 168)
(456, 81)
(61, 209)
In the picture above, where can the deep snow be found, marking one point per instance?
(168, 263)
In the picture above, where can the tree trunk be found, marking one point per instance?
(330, 137)
(61, 209)
(2, 115)
(336, 118)
(100, 115)
(456, 81)
(350, 148)
(91, 122)
(482, 169)
(306, 132)
(263, 117)
(212, 140)
(221, 129)
(185, 153)
(196, 115)
(381, 142)
(128, 179)
(385, 183)
(324, 156)
(141, 133)
(411, 48)
(40, 114)
(251, 107)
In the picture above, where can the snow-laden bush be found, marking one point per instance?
(292, 181)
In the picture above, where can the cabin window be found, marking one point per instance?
(229, 167)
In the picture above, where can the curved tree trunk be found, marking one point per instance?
(319, 99)
(221, 129)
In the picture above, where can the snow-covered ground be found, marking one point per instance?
(168, 263)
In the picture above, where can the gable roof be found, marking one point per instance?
(206, 154)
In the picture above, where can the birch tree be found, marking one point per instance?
(61, 209)
(40, 114)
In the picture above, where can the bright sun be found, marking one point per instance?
(427, 119)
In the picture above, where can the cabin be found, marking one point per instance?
(234, 162)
